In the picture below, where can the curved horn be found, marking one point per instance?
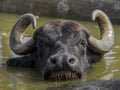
(16, 36)
(106, 33)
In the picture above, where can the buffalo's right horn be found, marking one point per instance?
(16, 35)
(106, 33)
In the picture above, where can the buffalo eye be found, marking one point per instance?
(46, 42)
(42, 42)
(83, 43)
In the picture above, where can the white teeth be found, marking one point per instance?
(63, 75)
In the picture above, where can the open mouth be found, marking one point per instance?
(64, 75)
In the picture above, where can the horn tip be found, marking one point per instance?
(96, 13)
(34, 25)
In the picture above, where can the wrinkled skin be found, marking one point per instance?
(60, 50)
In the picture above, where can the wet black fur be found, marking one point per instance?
(57, 36)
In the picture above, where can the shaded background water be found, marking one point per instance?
(27, 79)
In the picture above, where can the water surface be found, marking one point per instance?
(27, 79)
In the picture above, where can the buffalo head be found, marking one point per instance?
(61, 49)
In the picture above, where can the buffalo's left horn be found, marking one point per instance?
(106, 33)
(16, 36)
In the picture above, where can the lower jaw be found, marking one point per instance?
(63, 75)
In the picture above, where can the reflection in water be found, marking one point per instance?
(27, 79)
(110, 58)
(4, 48)
(0, 49)
(107, 76)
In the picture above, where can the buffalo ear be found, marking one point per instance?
(37, 34)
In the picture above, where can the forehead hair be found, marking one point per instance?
(60, 27)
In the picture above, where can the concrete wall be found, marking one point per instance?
(79, 9)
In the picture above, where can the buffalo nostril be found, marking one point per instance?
(71, 60)
(53, 60)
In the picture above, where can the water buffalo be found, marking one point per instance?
(61, 49)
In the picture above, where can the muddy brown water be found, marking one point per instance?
(13, 78)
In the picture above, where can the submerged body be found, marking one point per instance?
(62, 49)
